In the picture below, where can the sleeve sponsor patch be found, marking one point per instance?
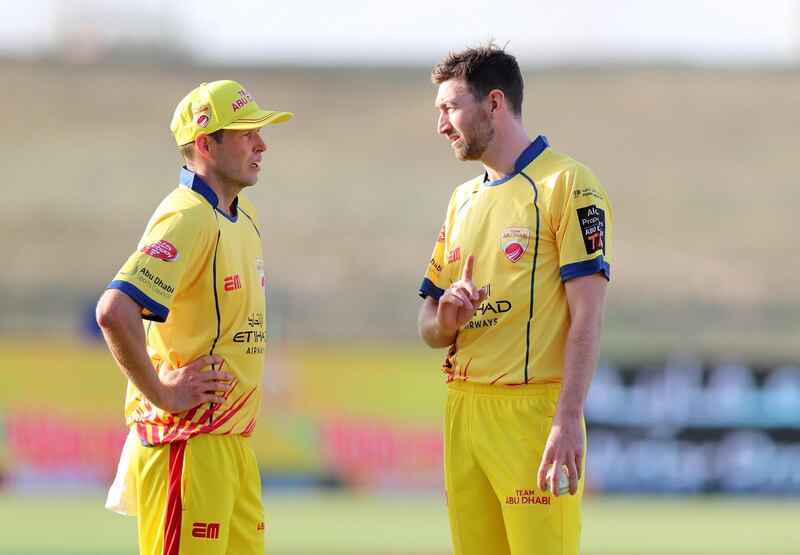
(593, 228)
(163, 250)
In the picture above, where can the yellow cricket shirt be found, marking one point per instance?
(547, 222)
(198, 275)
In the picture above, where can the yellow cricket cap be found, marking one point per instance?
(219, 105)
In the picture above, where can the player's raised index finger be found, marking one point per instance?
(468, 264)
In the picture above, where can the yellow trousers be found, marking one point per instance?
(199, 497)
(494, 441)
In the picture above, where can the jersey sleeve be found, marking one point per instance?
(584, 228)
(168, 251)
(432, 284)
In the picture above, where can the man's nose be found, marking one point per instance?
(260, 145)
(444, 124)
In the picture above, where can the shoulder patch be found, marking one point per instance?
(163, 250)
(593, 227)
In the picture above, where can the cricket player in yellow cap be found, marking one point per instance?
(195, 364)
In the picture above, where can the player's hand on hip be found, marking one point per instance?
(460, 301)
(564, 448)
(190, 386)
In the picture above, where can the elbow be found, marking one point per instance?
(105, 313)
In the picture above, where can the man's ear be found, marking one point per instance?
(201, 146)
(496, 100)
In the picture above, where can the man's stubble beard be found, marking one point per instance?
(476, 138)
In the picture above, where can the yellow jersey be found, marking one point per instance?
(547, 222)
(198, 275)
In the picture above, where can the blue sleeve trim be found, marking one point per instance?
(429, 289)
(159, 311)
(586, 268)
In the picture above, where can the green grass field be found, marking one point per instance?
(351, 524)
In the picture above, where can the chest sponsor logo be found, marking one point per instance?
(454, 255)
(256, 320)
(514, 242)
(488, 314)
(260, 272)
(163, 250)
(253, 340)
(232, 283)
(593, 228)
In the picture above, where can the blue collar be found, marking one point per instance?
(528, 155)
(190, 179)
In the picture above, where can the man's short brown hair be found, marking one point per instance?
(484, 69)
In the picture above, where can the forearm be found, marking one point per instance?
(429, 329)
(120, 319)
(580, 360)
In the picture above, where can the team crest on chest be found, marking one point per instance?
(514, 242)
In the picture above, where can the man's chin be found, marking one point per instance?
(467, 156)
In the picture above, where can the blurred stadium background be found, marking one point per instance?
(687, 111)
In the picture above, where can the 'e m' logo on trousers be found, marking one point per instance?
(207, 530)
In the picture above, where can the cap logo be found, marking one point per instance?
(244, 99)
(202, 120)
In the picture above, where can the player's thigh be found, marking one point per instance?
(510, 442)
(476, 520)
(151, 468)
(553, 528)
(210, 484)
(247, 519)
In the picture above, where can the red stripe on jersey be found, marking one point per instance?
(494, 381)
(228, 414)
(172, 526)
(249, 429)
(156, 431)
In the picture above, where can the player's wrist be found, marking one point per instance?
(447, 334)
(568, 414)
(157, 393)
